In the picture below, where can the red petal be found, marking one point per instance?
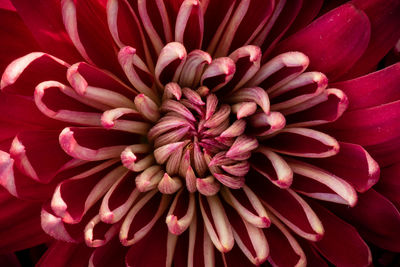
(309, 10)
(16, 41)
(45, 22)
(23, 74)
(294, 211)
(85, 24)
(139, 254)
(374, 89)
(334, 42)
(369, 126)
(362, 175)
(65, 254)
(124, 26)
(111, 254)
(389, 184)
(341, 244)
(74, 196)
(284, 249)
(282, 18)
(22, 113)
(385, 23)
(20, 185)
(303, 142)
(28, 151)
(376, 218)
(20, 223)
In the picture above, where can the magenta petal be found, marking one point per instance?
(24, 73)
(29, 154)
(334, 42)
(281, 240)
(139, 254)
(376, 218)
(389, 184)
(111, 254)
(294, 211)
(362, 175)
(23, 113)
(283, 17)
(368, 126)
(45, 22)
(85, 24)
(20, 226)
(15, 42)
(372, 90)
(341, 243)
(65, 254)
(384, 17)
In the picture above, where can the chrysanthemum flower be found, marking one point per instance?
(200, 133)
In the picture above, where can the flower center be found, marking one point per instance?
(198, 140)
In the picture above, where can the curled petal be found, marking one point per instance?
(138, 223)
(170, 63)
(218, 73)
(181, 205)
(216, 223)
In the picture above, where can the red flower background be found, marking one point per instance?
(200, 133)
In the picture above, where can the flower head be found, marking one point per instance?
(205, 133)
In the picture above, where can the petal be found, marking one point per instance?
(142, 217)
(16, 42)
(65, 254)
(283, 17)
(341, 244)
(368, 126)
(75, 196)
(389, 185)
(376, 218)
(118, 200)
(94, 143)
(24, 73)
(280, 239)
(272, 166)
(362, 175)
(189, 24)
(374, 89)
(181, 212)
(294, 212)
(384, 33)
(250, 239)
(320, 184)
(247, 20)
(20, 226)
(303, 142)
(125, 27)
(85, 24)
(216, 222)
(139, 254)
(333, 42)
(28, 152)
(111, 254)
(45, 22)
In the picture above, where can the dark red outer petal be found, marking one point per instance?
(111, 254)
(376, 218)
(385, 24)
(309, 10)
(44, 20)
(16, 38)
(341, 245)
(369, 126)
(389, 184)
(333, 42)
(61, 254)
(362, 175)
(374, 89)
